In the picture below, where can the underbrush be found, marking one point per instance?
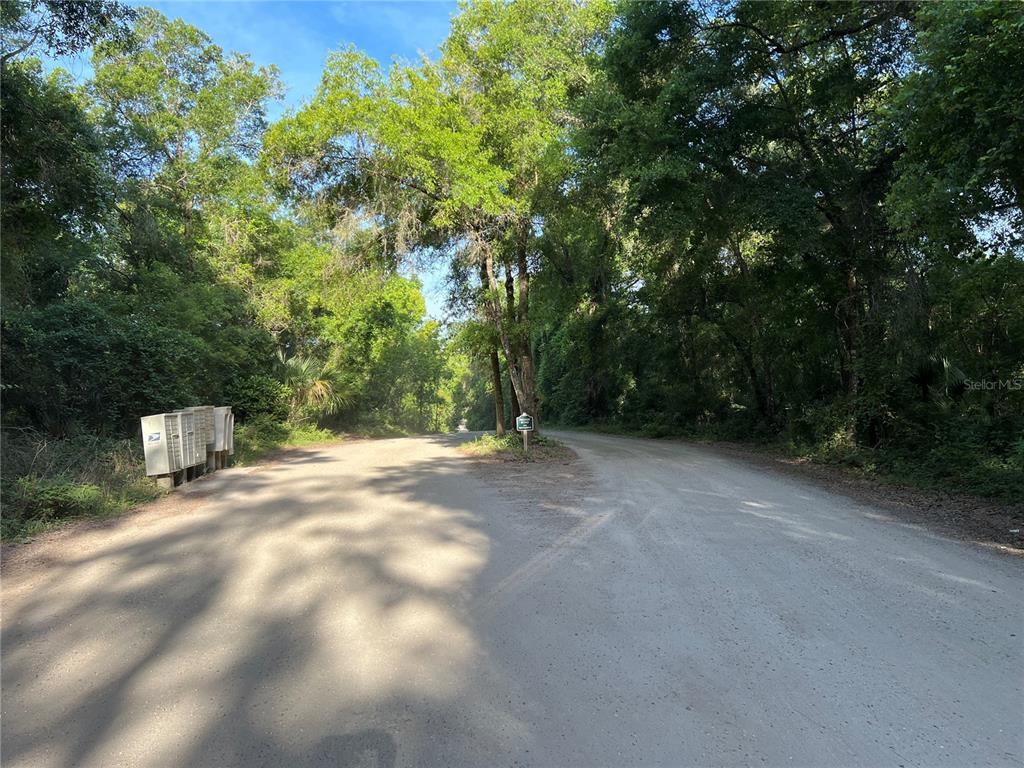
(961, 467)
(47, 481)
(510, 448)
(970, 452)
(261, 436)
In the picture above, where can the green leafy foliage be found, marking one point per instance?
(802, 224)
(46, 481)
(795, 222)
(259, 395)
(60, 27)
(149, 263)
(962, 118)
(56, 194)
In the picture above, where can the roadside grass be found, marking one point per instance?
(47, 482)
(260, 437)
(510, 448)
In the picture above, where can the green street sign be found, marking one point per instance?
(524, 422)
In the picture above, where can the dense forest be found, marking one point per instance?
(799, 223)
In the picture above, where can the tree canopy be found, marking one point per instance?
(149, 263)
(780, 221)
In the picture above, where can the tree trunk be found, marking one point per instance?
(510, 308)
(516, 410)
(745, 349)
(499, 400)
(522, 379)
(848, 315)
(746, 355)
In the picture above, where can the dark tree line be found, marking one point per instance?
(799, 220)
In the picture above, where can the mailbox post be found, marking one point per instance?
(524, 423)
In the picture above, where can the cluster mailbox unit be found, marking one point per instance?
(181, 445)
(204, 431)
(223, 435)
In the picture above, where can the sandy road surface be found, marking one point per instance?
(391, 603)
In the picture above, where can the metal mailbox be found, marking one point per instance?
(204, 433)
(192, 451)
(204, 424)
(223, 428)
(169, 442)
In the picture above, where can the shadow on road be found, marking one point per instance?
(318, 595)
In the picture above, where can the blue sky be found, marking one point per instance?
(297, 36)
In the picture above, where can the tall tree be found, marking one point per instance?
(752, 141)
(465, 148)
(57, 196)
(961, 116)
(179, 113)
(60, 27)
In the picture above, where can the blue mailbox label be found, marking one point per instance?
(154, 437)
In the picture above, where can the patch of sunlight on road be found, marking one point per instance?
(447, 564)
(794, 528)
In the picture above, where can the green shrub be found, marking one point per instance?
(821, 424)
(259, 396)
(263, 435)
(34, 498)
(257, 437)
(47, 480)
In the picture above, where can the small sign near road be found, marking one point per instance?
(524, 424)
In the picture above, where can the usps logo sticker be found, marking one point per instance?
(154, 437)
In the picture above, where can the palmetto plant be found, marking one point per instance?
(316, 388)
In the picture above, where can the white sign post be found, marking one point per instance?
(524, 423)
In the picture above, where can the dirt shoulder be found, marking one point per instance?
(991, 523)
(550, 488)
(509, 449)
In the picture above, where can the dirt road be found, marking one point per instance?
(392, 603)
